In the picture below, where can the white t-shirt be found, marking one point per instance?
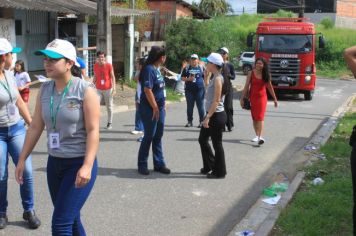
(22, 79)
(138, 88)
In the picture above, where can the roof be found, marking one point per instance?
(197, 13)
(69, 6)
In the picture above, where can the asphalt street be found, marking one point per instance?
(185, 202)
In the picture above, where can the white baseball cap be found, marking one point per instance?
(60, 48)
(5, 47)
(194, 56)
(224, 49)
(216, 59)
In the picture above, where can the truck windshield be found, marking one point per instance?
(285, 43)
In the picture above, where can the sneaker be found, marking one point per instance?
(189, 124)
(163, 170)
(199, 126)
(214, 176)
(261, 141)
(136, 132)
(255, 139)
(3, 220)
(204, 171)
(31, 218)
(140, 139)
(143, 171)
(109, 126)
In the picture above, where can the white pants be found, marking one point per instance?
(108, 98)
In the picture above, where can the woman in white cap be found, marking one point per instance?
(69, 109)
(12, 136)
(214, 121)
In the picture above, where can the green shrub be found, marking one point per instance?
(327, 23)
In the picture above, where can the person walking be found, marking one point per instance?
(138, 121)
(153, 113)
(229, 73)
(257, 81)
(105, 83)
(69, 108)
(12, 136)
(193, 76)
(214, 121)
(22, 80)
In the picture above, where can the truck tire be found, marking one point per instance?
(308, 95)
(246, 69)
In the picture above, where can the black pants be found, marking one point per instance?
(229, 109)
(353, 173)
(216, 162)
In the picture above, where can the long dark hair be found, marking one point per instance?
(22, 64)
(225, 71)
(265, 70)
(154, 55)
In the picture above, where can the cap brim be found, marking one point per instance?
(204, 59)
(49, 54)
(194, 57)
(16, 50)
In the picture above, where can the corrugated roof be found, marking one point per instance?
(69, 6)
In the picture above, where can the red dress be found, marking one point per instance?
(258, 98)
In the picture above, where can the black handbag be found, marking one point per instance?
(247, 103)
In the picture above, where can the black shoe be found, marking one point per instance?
(3, 220)
(214, 176)
(189, 124)
(31, 218)
(143, 171)
(199, 126)
(204, 171)
(163, 170)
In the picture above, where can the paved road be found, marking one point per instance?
(184, 203)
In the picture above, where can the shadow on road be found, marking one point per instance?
(21, 224)
(238, 141)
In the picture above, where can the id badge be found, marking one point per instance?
(12, 110)
(102, 82)
(54, 140)
(164, 93)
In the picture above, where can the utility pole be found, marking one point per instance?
(129, 42)
(301, 8)
(103, 33)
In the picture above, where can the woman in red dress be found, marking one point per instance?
(258, 80)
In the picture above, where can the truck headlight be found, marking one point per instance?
(307, 79)
(308, 69)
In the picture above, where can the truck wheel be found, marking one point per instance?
(246, 69)
(308, 95)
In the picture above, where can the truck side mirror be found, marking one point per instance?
(250, 40)
(321, 41)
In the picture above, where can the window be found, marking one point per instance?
(18, 27)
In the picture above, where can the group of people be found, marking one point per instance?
(68, 107)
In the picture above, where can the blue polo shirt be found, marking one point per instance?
(199, 77)
(151, 77)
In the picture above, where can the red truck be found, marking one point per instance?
(288, 45)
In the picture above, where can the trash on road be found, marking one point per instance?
(309, 148)
(318, 181)
(274, 189)
(245, 233)
(321, 156)
(272, 200)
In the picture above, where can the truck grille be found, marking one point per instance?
(282, 67)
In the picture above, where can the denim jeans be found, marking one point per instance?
(192, 97)
(211, 161)
(153, 131)
(138, 120)
(11, 142)
(66, 198)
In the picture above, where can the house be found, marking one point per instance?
(346, 14)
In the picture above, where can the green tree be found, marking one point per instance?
(215, 7)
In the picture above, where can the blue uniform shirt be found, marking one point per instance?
(199, 77)
(152, 78)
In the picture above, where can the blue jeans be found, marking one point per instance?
(192, 97)
(11, 142)
(153, 130)
(138, 121)
(66, 198)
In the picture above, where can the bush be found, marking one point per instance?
(327, 23)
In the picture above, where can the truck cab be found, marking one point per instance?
(288, 45)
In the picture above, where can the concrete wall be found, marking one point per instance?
(346, 14)
(317, 17)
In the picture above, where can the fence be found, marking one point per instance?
(89, 56)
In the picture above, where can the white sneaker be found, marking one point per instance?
(261, 141)
(109, 126)
(135, 132)
(255, 139)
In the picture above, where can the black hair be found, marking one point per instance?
(225, 71)
(154, 55)
(76, 71)
(98, 53)
(142, 61)
(22, 64)
(265, 70)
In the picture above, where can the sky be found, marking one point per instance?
(238, 5)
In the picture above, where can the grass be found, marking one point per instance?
(325, 209)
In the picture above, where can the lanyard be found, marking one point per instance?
(7, 88)
(54, 115)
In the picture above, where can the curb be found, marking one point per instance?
(262, 217)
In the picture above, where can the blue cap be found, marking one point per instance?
(81, 62)
(16, 50)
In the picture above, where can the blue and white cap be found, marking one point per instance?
(5, 47)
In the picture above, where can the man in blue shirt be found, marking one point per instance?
(193, 75)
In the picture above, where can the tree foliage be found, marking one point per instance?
(215, 7)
